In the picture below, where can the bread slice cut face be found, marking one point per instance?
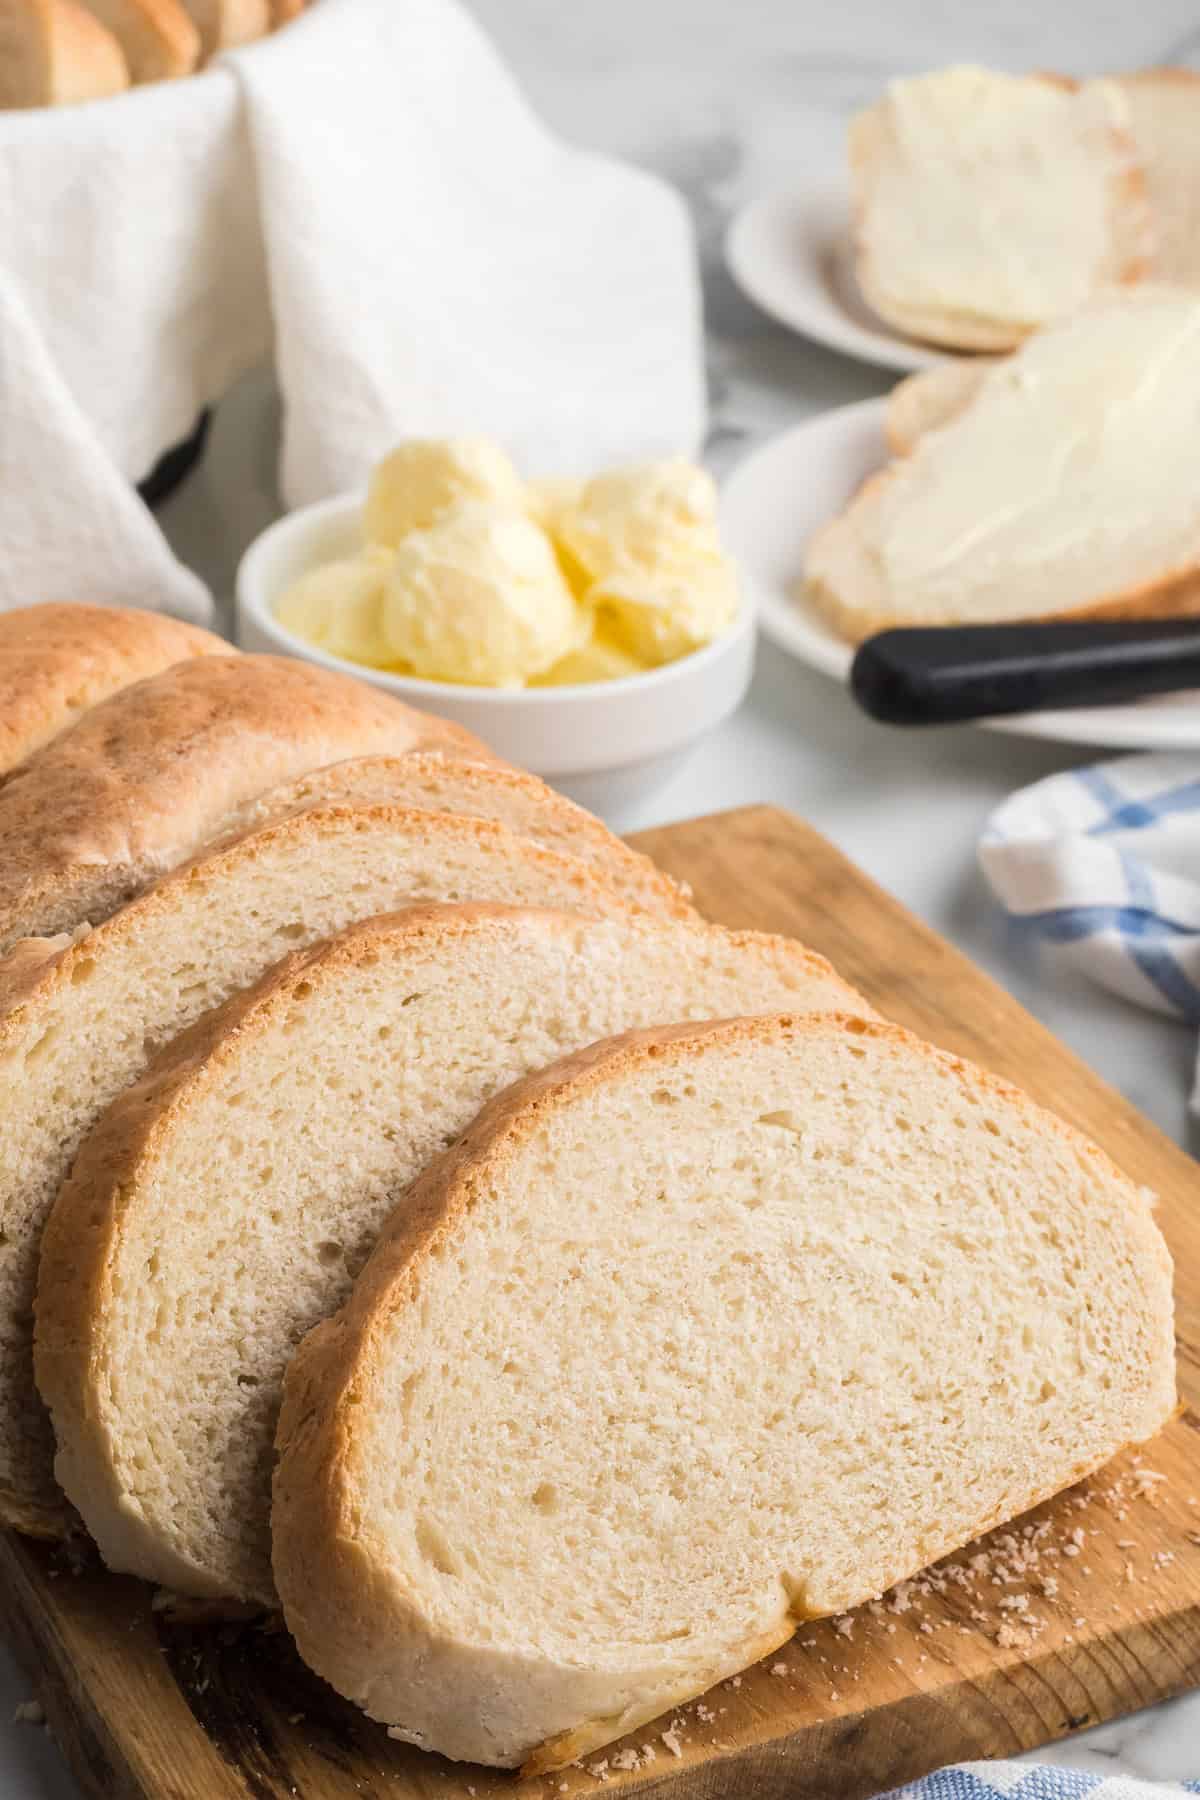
(429, 780)
(165, 766)
(224, 1204)
(697, 1335)
(987, 205)
(79, 1021)
(1038, 499)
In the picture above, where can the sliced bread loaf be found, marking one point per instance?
(163, 767)
(1164, 108)
(53, 53)
(57, 661)
(988, 204)
(1037, 499)
(481, 791)
(77, 1030)
(224, 1204)
(700, 1334)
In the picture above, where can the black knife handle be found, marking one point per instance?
(943, 675)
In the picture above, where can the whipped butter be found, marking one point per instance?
(469, 574)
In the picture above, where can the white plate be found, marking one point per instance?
(776, 499)
(792, 254)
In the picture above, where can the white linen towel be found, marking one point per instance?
(1102, 865)
(366, 189)
(439, 263)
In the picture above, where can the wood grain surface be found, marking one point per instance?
(1086, 1609)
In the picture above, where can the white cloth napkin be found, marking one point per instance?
(1102, 865)
(439, 263)
(71, 526)
(368, 190)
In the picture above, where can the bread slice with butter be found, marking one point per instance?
(930, 398)
(54, 53)
(79, 1019)
(1164, 107)
(988, 204)
(151, 774)
(697, 1335)
(1067, 487)
(225, 1203)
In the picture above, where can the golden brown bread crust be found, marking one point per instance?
(158, 38)
(161, 768)
(53, 52)
(318, 1549)
(224, 24)
(57, 661)
(397, 779)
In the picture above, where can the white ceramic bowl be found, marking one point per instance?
(606, 743)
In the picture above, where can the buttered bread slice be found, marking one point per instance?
(78, 1021)
(225, 1203)
(693, 1337)
(161, 768)
(1164, 106)
(1066, 487)
(988, 204)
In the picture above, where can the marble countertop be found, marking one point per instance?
(726, 102)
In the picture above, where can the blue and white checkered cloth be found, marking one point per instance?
(1103, 866)
(1025, 1781)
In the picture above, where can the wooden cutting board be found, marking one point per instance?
(1087, 1609)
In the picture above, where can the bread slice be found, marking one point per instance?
(57, 661)
(697, 1335)
(930, 398)
(1164, 106)
(158, 38)
(347, 1068)
(224, 24)
(53, 52)
(987, 204)
(78, 1023)
(482, 791)
(1038, 498)
(163, 767)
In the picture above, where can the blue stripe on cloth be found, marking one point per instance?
(1064, 924)
(1041, 1783)
(1156, 963)
(1142, 931)
(1102, 791)
(947, 1784)
(1129, 814)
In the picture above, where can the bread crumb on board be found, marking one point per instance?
(29, 1712)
